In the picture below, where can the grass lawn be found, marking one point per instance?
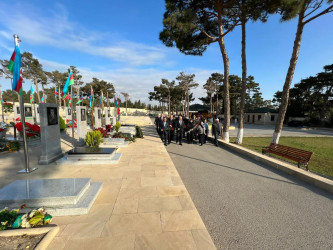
(321, 161)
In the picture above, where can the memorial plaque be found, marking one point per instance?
(18, 110)
(27, 111)
(37, 110)
(83, 114)
(69, 111)
(99, 114)
(52, 118)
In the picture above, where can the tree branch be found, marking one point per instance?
(232, 27)
(209, 36)
(315, 8)
(329, 9)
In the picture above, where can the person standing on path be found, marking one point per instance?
(206, 131)
(201, 132)
(216, 131)
(157, 124)
(165, 130)
(180, 129)
(172, 128)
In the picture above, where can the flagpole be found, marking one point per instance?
(25, 145)
(72, 107)
(3, 116)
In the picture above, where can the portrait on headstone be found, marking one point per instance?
(18, 110)
(52, 116)
(38, 110)
(69, 111)
(99, 114)
(83, 114)
(28, 111)
(108, 112)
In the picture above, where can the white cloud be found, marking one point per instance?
(58, 31)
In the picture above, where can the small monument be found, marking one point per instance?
(68, 113)
(98, 117)
(29, 115)
(108, 117)
(50, 133)
(37, 114)
(81, 116)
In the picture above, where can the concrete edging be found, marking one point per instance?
(299, 173)
(50, 230)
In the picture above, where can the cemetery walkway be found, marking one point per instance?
(247, 205)
(143, 203)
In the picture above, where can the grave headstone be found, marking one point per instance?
(50, 133)
(108, 116)
(29, 115)
(98, 117)
(37, 114)
(68, 113)
(81, 116)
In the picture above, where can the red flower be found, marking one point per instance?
(1, 130)
(30, 134)
(23, 206)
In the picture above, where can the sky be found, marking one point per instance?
(118, 41)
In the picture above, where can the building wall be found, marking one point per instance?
(260, 118)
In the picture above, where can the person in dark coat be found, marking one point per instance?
(157, 124)
(180, 129)
(190, 132)
(216, 131)
(165, 130)
(172, 128)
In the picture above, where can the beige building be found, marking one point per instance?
(263, 116)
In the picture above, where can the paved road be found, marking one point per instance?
(267, 130)
(246, 205)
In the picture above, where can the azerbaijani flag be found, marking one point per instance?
(14, 66)
(56, 92)
(92, 97)
(70, 102)
(69, 82)
(65, 97)
(43, 99)
(79, 101)
(101, 101)
(31, 95)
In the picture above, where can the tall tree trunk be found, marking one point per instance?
(226, 97)
(217, 104)
(37, 91)
(289, 76)
(211, 103)
(169, 103)
(239, 139)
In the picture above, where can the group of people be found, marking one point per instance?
(193, 129)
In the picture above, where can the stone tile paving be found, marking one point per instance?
(143, 203)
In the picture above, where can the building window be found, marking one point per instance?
(272, 118)
(259, 117)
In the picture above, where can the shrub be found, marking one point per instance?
(139, 133)
(13, 146)
(62, 124)
(93, 139)
(117, 126)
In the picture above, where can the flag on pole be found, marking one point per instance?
(92, 97)
(101, 101)
(70, 102)
(69, 82)
(31, 95)
(79, 101)
(14, 66)
(65, 97)
(43, 99)
(56, 92)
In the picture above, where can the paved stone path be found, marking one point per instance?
(143, 203)
(246, 205)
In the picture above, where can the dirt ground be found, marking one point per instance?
(20, 242)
